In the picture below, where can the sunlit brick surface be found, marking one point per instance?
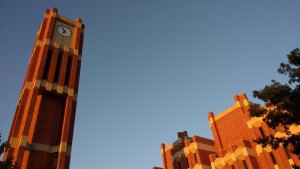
(232, 148)
(42, 129)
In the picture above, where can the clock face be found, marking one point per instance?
(64, 31)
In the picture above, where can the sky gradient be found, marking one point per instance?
(151, 68)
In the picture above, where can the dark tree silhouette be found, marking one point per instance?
(8, 163)
(282, 105)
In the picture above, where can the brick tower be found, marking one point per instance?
(42, 128)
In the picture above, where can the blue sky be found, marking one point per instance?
(151, 68)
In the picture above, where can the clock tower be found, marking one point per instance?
(42, 128)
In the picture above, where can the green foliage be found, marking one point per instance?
(8, 163)
(282, 105)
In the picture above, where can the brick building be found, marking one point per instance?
(42, 128)
(232, 148)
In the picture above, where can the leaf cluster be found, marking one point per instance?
(8, 163)
(282, 104)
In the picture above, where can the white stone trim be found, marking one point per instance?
(206, 147)
(23, 141)
(13, 142)
(57, 45)
(37, 83)
(59, 89)
(28, 85)
(66, 20)
(71, 92)
(291, 162)
(54, 149)
(51, 149)
(63, 147)
(48, 86)
(43, 83)
(201, 166)
(69, 150)
(39, 147)
(53, 15)
(75, 97)
(75, 51)
(47, 42)
(254, 122)
(192, 149)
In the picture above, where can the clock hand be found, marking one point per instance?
(64, 31)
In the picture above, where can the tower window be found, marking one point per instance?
(287, 153)
(187, 162)
(57, 70)
(245, 164)
(232, 166)
(68, 73)
(273, 158)
(179, 164)
(47, 64)
(195, 157)
(262, 132)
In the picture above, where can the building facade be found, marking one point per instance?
(232, 147)
(42, 129)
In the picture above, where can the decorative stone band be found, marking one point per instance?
(294, 129)
(42, 147)
(24, 141)
(192, 149)
(180, 140)
(57, 45)
(291, 161)
(201, 146)
(69, 21)
(254, 121)
(51, 149)
(237, 104)
(201, 166)
(259, 149)
(268, 149)
(51, 86)
(13, 141)
(218, 163)
(241, 153)
(229, 158)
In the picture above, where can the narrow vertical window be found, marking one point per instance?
(54, 164)
(287, 153)
(47, 64)
(261, 132)
(195, 157)
(232, 166)
(68, 73)
(187, 162)
(273, 158)
(58, 64)
(179, 164)
(245, 164)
